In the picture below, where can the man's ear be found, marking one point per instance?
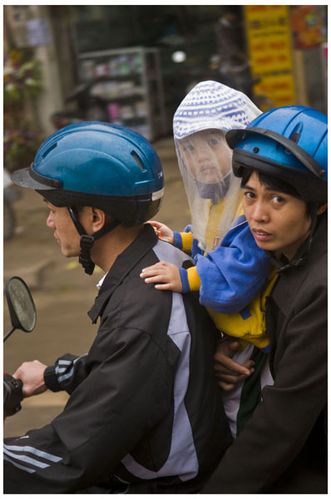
(99, 218)
(322, 209)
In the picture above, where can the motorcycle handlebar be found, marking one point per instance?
(12, 395)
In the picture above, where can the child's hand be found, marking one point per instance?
(166, 274)
(162, 231)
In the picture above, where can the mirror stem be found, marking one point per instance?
(8, 334)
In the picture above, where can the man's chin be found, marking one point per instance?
(69, 253)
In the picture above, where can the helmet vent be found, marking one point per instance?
(295, 135)
(46, 153)
(138, 160)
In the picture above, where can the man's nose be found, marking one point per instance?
(50, 221)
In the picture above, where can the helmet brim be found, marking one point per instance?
(23, 178)
(310, 188)
(235, 136)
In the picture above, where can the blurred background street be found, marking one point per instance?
(130, 65)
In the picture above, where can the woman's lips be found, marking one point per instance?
(261, 235)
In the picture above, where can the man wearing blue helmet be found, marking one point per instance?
(144, 413)
(281, 158)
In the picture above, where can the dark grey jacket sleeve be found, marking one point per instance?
(67, 372)
(106, 416)
(280, 425)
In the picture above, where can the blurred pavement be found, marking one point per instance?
(62, 292)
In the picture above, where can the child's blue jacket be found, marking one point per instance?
(234, 273)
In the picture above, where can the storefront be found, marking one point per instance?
(165, 50)
(146, 57)
(286, 49)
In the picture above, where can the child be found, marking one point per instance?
(230, 275)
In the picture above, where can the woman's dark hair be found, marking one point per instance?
(268, 180)
(279, 185)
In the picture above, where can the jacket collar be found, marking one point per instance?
(122, 266)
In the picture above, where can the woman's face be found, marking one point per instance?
(207, 156)
(279, 222)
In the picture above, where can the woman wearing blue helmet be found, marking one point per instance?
(281, 158)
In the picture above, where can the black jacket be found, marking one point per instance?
(282, 448)
(145, 413)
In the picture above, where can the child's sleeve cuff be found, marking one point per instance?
(184, 279)
(178, 240)
(187, 241)
(193, 279)
(190, 279)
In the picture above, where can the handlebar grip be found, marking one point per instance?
(12, 395)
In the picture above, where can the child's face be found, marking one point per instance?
(207, 156)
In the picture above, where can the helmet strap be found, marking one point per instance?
(87, 241)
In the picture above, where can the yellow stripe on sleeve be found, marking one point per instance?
(193, 279)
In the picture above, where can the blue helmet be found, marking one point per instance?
(101, 165)
(289, 143)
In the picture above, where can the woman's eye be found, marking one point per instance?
(249, 195)
(278, 199)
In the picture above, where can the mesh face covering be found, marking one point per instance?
(213, 192)
(208, 111)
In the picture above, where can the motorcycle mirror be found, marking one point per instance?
(21, 306)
